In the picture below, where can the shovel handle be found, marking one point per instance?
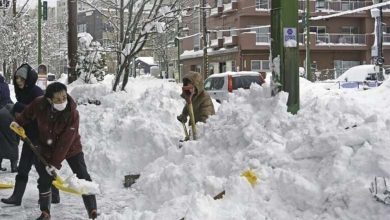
(19, 130)
(187, 136)
(192, 118)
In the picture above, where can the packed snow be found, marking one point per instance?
(317, 164)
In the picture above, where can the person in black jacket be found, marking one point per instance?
(9, 141)
(26, 91)
(4, 100)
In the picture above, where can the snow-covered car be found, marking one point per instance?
(219, 85)
(362, 76)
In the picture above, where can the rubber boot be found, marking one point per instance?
(1, 168)
(16, 197)
(55, 195)
(14, 166)
(44, 204)
(90, 205)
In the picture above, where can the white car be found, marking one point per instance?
(219, 85)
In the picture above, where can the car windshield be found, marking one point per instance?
(245, 81)
(214, 83)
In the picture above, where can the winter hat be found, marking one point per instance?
(22, 72)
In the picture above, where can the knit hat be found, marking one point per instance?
(22, 72)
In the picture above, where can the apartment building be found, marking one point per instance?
(239, 36)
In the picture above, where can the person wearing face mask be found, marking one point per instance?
(26, 90)
(58, 140)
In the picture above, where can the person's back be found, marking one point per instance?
(4, 93)
(9, 141)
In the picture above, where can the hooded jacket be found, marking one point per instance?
(201, 102)
(25, 96)
(58, 137)
(4, 93)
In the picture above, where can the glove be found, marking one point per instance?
(50, 170)
(182, 118)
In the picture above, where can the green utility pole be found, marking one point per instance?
(39, 32)
(284, 49)
(178, 51)
(307, 43)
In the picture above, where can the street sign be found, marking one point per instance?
(290, 37)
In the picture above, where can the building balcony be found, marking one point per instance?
(341, 39)
(216, 43)
(230, 7)
(230, 40)
(216, 11)
(332, 6)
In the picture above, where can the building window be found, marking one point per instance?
(262, 4)
(320, 4)
(81, 28)
(259, 65)
(340, 66)
(350, 30)
(262, 35)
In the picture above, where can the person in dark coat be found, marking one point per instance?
(58, 140)
(9, 141)
(26, 91)
(4, 100)
(4, 93)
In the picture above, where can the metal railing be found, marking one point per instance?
(350, 39)
(340, 5)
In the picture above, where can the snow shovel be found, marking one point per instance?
(189, 91)
(58, 182)
(6, 185)
(187, 136)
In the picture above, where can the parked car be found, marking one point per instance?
(361, 76)
(219, 85)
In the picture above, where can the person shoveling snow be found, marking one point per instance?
(59, 139)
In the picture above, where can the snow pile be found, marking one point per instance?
(316, 164)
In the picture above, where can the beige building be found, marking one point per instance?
(239, 36)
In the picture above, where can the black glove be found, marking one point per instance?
(182, 118)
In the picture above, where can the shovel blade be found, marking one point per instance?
(6, 185)
(59, 184)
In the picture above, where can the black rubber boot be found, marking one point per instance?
(1, 168)
(14, 166)
(55, 195)
(44, 204)
(90, 205)
(16, 197)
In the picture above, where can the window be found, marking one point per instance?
(320, 4)
(262, 35)
(262, 4)
(341, 66)
(258, 65)
(245, 82)
(81, 28)
(350, 30)
(214, 83)
(318, 29)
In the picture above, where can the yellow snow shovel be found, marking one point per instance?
(58, 182)
(6, 185)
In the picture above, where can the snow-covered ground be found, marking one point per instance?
(309, 166)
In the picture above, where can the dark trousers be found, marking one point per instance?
(76, 163)
(26, 161)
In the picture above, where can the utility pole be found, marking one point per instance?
(39, 32)
(205, 58)
(307, 43)
(284, 50)
(72, 40)
(178, 50)
(380, 59)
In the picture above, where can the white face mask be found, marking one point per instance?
(60, 107)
